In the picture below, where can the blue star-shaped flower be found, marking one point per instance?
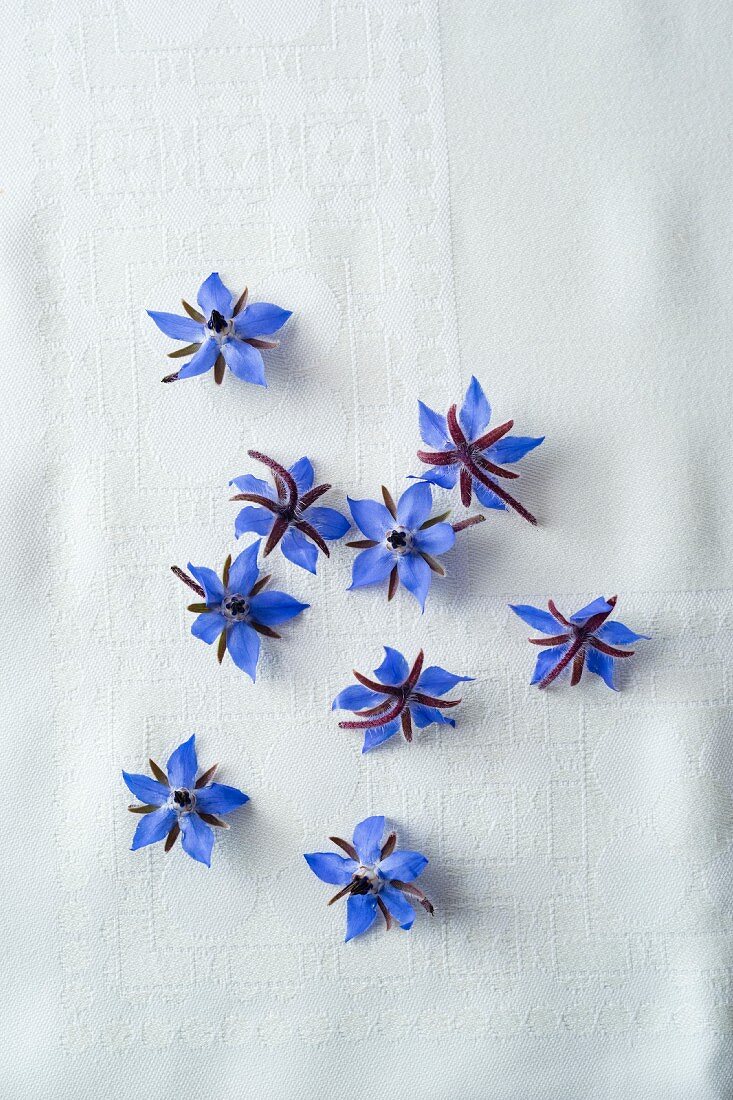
(236, 610)
(466, 451)
(402, 541)
(224, 333)
(401, 695)
(286, 512)
(374, 875)
(583, 639)
(178, 802)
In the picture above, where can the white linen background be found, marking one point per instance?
(537, 193)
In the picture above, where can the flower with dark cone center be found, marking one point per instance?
(235, 607)
(367, 880)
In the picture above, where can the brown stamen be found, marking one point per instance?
(346, 847)
(206, 777)
(194, 313)
(182, 576)
(172, 837)
(158, 773)
(180, 352)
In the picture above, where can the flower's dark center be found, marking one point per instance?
(365, 881)
(216, 322)
(399, 540)
(360, 885)
(182, 799)
(236, 607)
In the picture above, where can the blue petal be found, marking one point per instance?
(356, 697)
(208, 626)
(244, 571)
(202, 361)
(245, 362)
(329, 523)
(377, 735)
(361, 909)
(537, 618)
(394, 669)
(368, 838)
(436, 539)
(271, 608)
(217, 798)
(303, 474)
(182, 765)
(254, 519)
(153, 827)
(445, 476)
(414, 506)
(243, 644)
(371, 517)
(617, 634)
(329, 867)
(179, 328)
(601, 664)
(597, 607)
(299, 550)
(428, 716)
(512, 447)
(248, 483)
(433, 428)
(213, 295)
(475, 413)
(197, 838)
(260, 319)
(414, 573)
(146, 789)
(398, 906)
(436, 681)
(371, 566)
(403, 865)
(488, 498)
(211, 584)
(547, 660)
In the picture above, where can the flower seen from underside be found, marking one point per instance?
(463, 450)
(399, 697)
(175, 802)
(222, 333)
(372, 876)
(235, 609)
(287, 513)
(585, 639)
(402, 541)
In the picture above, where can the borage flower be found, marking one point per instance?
(585, 639)
(236, 610)
(466, 451)
(178, 802)
(286, 513)
(401, 541)
(374, 876)
(401, 695)
(224, 334)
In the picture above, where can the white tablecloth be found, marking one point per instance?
(535, 193)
